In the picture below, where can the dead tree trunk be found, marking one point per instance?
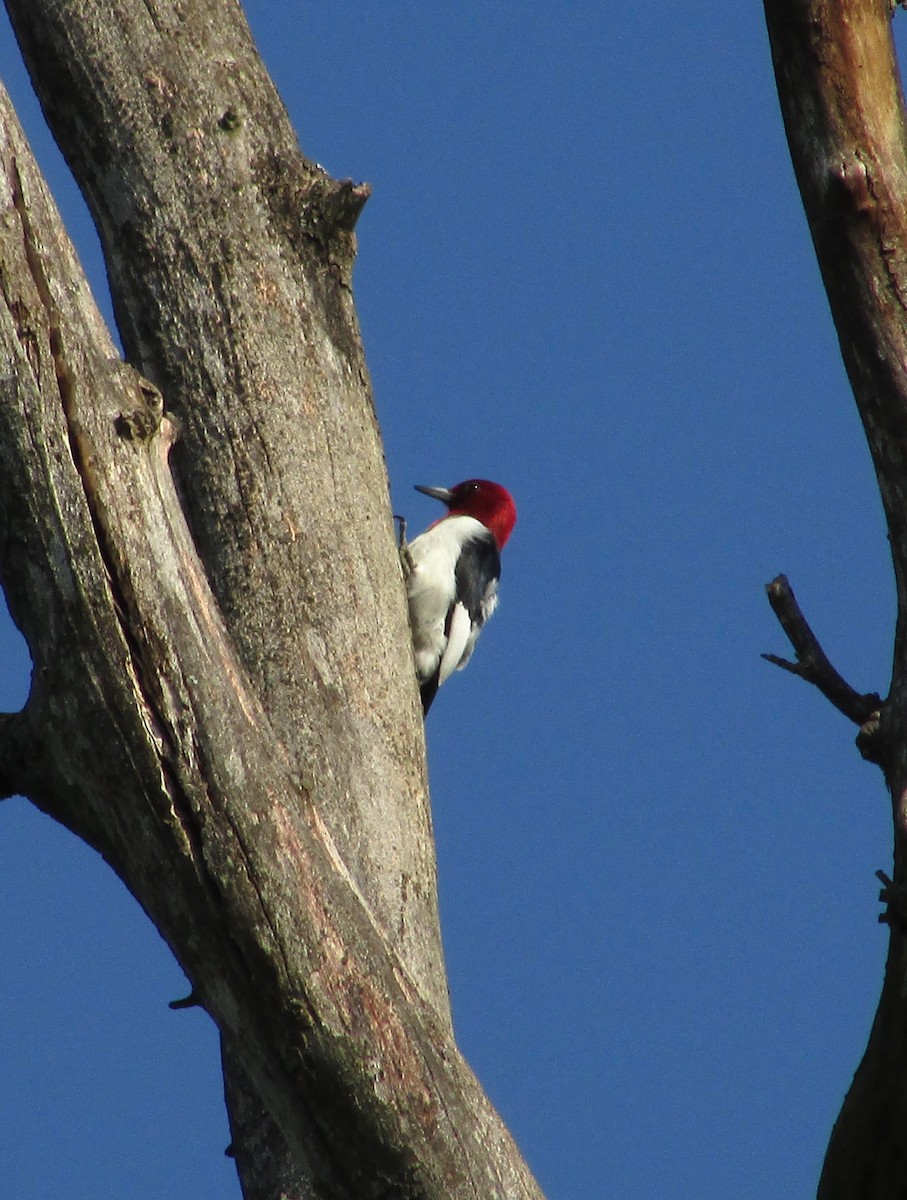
(843, 110)
(197, 545)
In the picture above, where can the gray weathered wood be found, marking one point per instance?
(201, 559)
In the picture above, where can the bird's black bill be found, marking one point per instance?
(445, 495)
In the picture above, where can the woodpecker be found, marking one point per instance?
(452, 577)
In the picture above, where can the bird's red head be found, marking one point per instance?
(480, 498)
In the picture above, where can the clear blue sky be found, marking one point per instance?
(584, 272)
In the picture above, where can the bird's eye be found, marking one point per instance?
(473, 487)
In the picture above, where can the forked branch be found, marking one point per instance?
(812, 663)
(219, 720)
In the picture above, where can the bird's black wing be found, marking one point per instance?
(478, 571)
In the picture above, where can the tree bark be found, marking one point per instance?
(843, 110)
(197, 545)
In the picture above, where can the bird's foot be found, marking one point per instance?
(406, 559)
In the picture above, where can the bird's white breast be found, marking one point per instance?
(432, 591)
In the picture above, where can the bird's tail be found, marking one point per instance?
(428, 691)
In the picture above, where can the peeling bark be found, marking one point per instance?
(197, 545)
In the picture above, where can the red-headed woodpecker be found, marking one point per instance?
(452, 581)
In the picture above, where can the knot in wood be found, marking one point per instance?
(141, 423)
(849, 185)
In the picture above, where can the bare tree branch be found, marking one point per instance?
(223, 686)
(229, 259)
(812, 664)
(843, 110)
